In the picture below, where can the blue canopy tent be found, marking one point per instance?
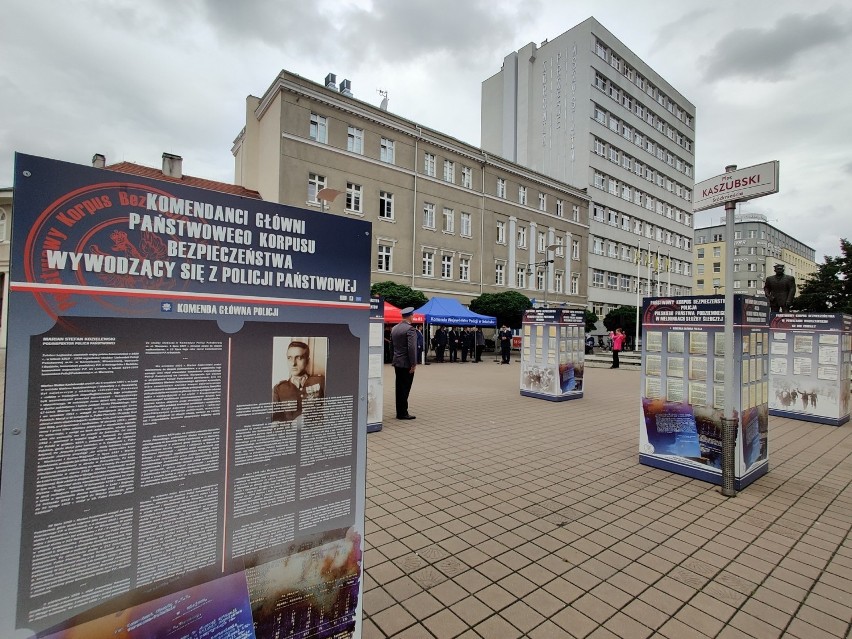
(447, 311)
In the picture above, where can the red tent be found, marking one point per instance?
(394, 316)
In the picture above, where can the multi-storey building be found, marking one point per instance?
(585, 109)
(758, 247)
(448, 219)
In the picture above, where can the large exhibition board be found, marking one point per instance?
(553, 353)
(684, 386)
(809, 366)
(185, 419)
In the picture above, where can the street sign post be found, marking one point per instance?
(736, 186)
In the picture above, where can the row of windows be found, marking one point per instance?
(619, 251)
(642, 83)
(525, 276)
(637, 226)
(318, 131)
(717, 284)
(541, 240)
(622, 282)
(430, 163)
(448, 220)
(717, 268)
(738, 250)
(617, 156)
(638, 109)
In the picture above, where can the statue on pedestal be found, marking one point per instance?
(780, 290)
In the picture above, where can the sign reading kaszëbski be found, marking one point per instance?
(744, 184)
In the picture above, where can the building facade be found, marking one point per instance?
(758, 247)
(583, 108)
(448, 219)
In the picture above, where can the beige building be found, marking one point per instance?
(758, 247)
(448, 219)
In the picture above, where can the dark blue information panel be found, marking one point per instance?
(185, 423)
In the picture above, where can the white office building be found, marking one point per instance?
(584, 109)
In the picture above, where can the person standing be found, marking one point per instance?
(404, 340)
(479, 342)
(505, 337)
(617, 345)
(440, 343)
(464, 342)
(453, 337)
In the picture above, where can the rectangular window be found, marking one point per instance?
(385, 258)
(521, 277)
(625, 282)
(575, 249)
(558, 279)
(717, 267)
(522, 195)
(355, 140)
(319, 128)
(501, 232)
(559, 251)
(467, 177)
(429, 215)
(448, 221)
(447, 267)
(575, 284)
(600, 149)
(752, 267)
(613, 154)
(501, 188)
(449, 171)
(428, 264)
(575, 213)
(500, 274)
(599, 180)
(699, 283)
(464, 269)
(466, 224)
(541, 241)
(699, 269)
(737, 284)
(597, 246)
(752, 283)
(385, 205)
(736, 267)
(717, 251)
(429, 164)
(612, 280)
(386, 153)
(700, 253)
(316, 183)
(353, 197)
(560, 207)
(542, 202)
(539, 280)
(522, 237)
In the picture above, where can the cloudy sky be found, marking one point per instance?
(130, 79)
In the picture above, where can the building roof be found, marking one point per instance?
(157, 174)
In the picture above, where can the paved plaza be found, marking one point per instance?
(498, 516)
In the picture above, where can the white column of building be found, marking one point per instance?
(512, 241)
(569, 252)
(532, 238)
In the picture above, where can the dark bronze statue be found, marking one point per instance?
(780, 289)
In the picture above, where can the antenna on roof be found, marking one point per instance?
(384, 105)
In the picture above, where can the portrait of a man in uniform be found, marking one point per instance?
(305, 379)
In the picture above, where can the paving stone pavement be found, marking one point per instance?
(499, 516)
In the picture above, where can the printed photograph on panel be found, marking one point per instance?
(674, 367)
(298, 374)
(719, 344)
(697, 343)
(654, 341)
(698, 368)
(675, 342)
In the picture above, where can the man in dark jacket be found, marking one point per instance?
(440, 343)
(505, 337)
(404, 340)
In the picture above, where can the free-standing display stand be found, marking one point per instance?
(684, 386)
(552, 354)
(375, 379)
(809, 359)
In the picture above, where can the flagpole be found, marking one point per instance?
(638, 289)
(669, 267)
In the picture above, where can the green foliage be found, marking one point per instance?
(508, 307)
(829, 289)
(624, 317)
(399, 295)
(591, 319)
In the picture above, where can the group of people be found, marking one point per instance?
(788, 398)
(468, 341)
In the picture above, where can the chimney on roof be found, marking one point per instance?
(346, 88)
(331, 82)
(98, 160)
(172, 165)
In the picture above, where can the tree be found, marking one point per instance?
(399, 295)
(508, 307)
(591, 319)
(829, 289)
(624, 317)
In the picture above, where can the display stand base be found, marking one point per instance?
(712, 477)
(551, 398)
(374, 428)
(809, 418)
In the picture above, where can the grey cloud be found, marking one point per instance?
(847, 168)
(671, 32)
(769, 54)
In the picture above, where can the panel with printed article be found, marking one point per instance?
(553, 353)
